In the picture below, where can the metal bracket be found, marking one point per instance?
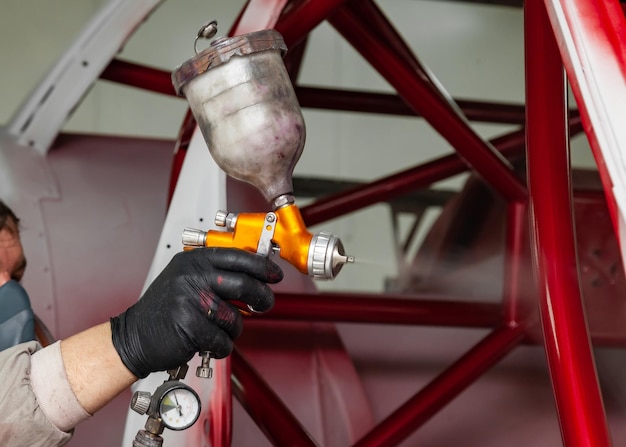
(265, 246)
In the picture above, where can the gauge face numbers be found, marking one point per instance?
(179, 408)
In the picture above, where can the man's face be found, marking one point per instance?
(12, 260)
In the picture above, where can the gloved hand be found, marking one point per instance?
(186, 309)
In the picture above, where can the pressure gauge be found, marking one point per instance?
(175, 404)
(179, 407)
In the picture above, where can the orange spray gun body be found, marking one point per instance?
(320, 255)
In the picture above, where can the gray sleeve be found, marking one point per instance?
(22, 421)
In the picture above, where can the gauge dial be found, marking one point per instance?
(179, 407)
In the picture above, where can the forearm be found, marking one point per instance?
(94, 369)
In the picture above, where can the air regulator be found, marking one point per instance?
(173, 405)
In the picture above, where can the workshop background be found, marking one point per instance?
(475, 50)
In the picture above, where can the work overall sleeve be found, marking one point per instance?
(37, 405)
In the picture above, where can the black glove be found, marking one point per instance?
(186, 310)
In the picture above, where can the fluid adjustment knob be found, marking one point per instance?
(326, 256)
(141, 402)
(193, 237)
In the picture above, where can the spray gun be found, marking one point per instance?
(242, 98)
(244, 103)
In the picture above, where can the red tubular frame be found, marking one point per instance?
(385, 309)
(159, 81)
(592, 33)
(547, 204)
(139, 76)
(422, 94)
(567, 344)
(383, 103)
(265, 407)
(393, 186)
(421, 407)
(303, 16)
